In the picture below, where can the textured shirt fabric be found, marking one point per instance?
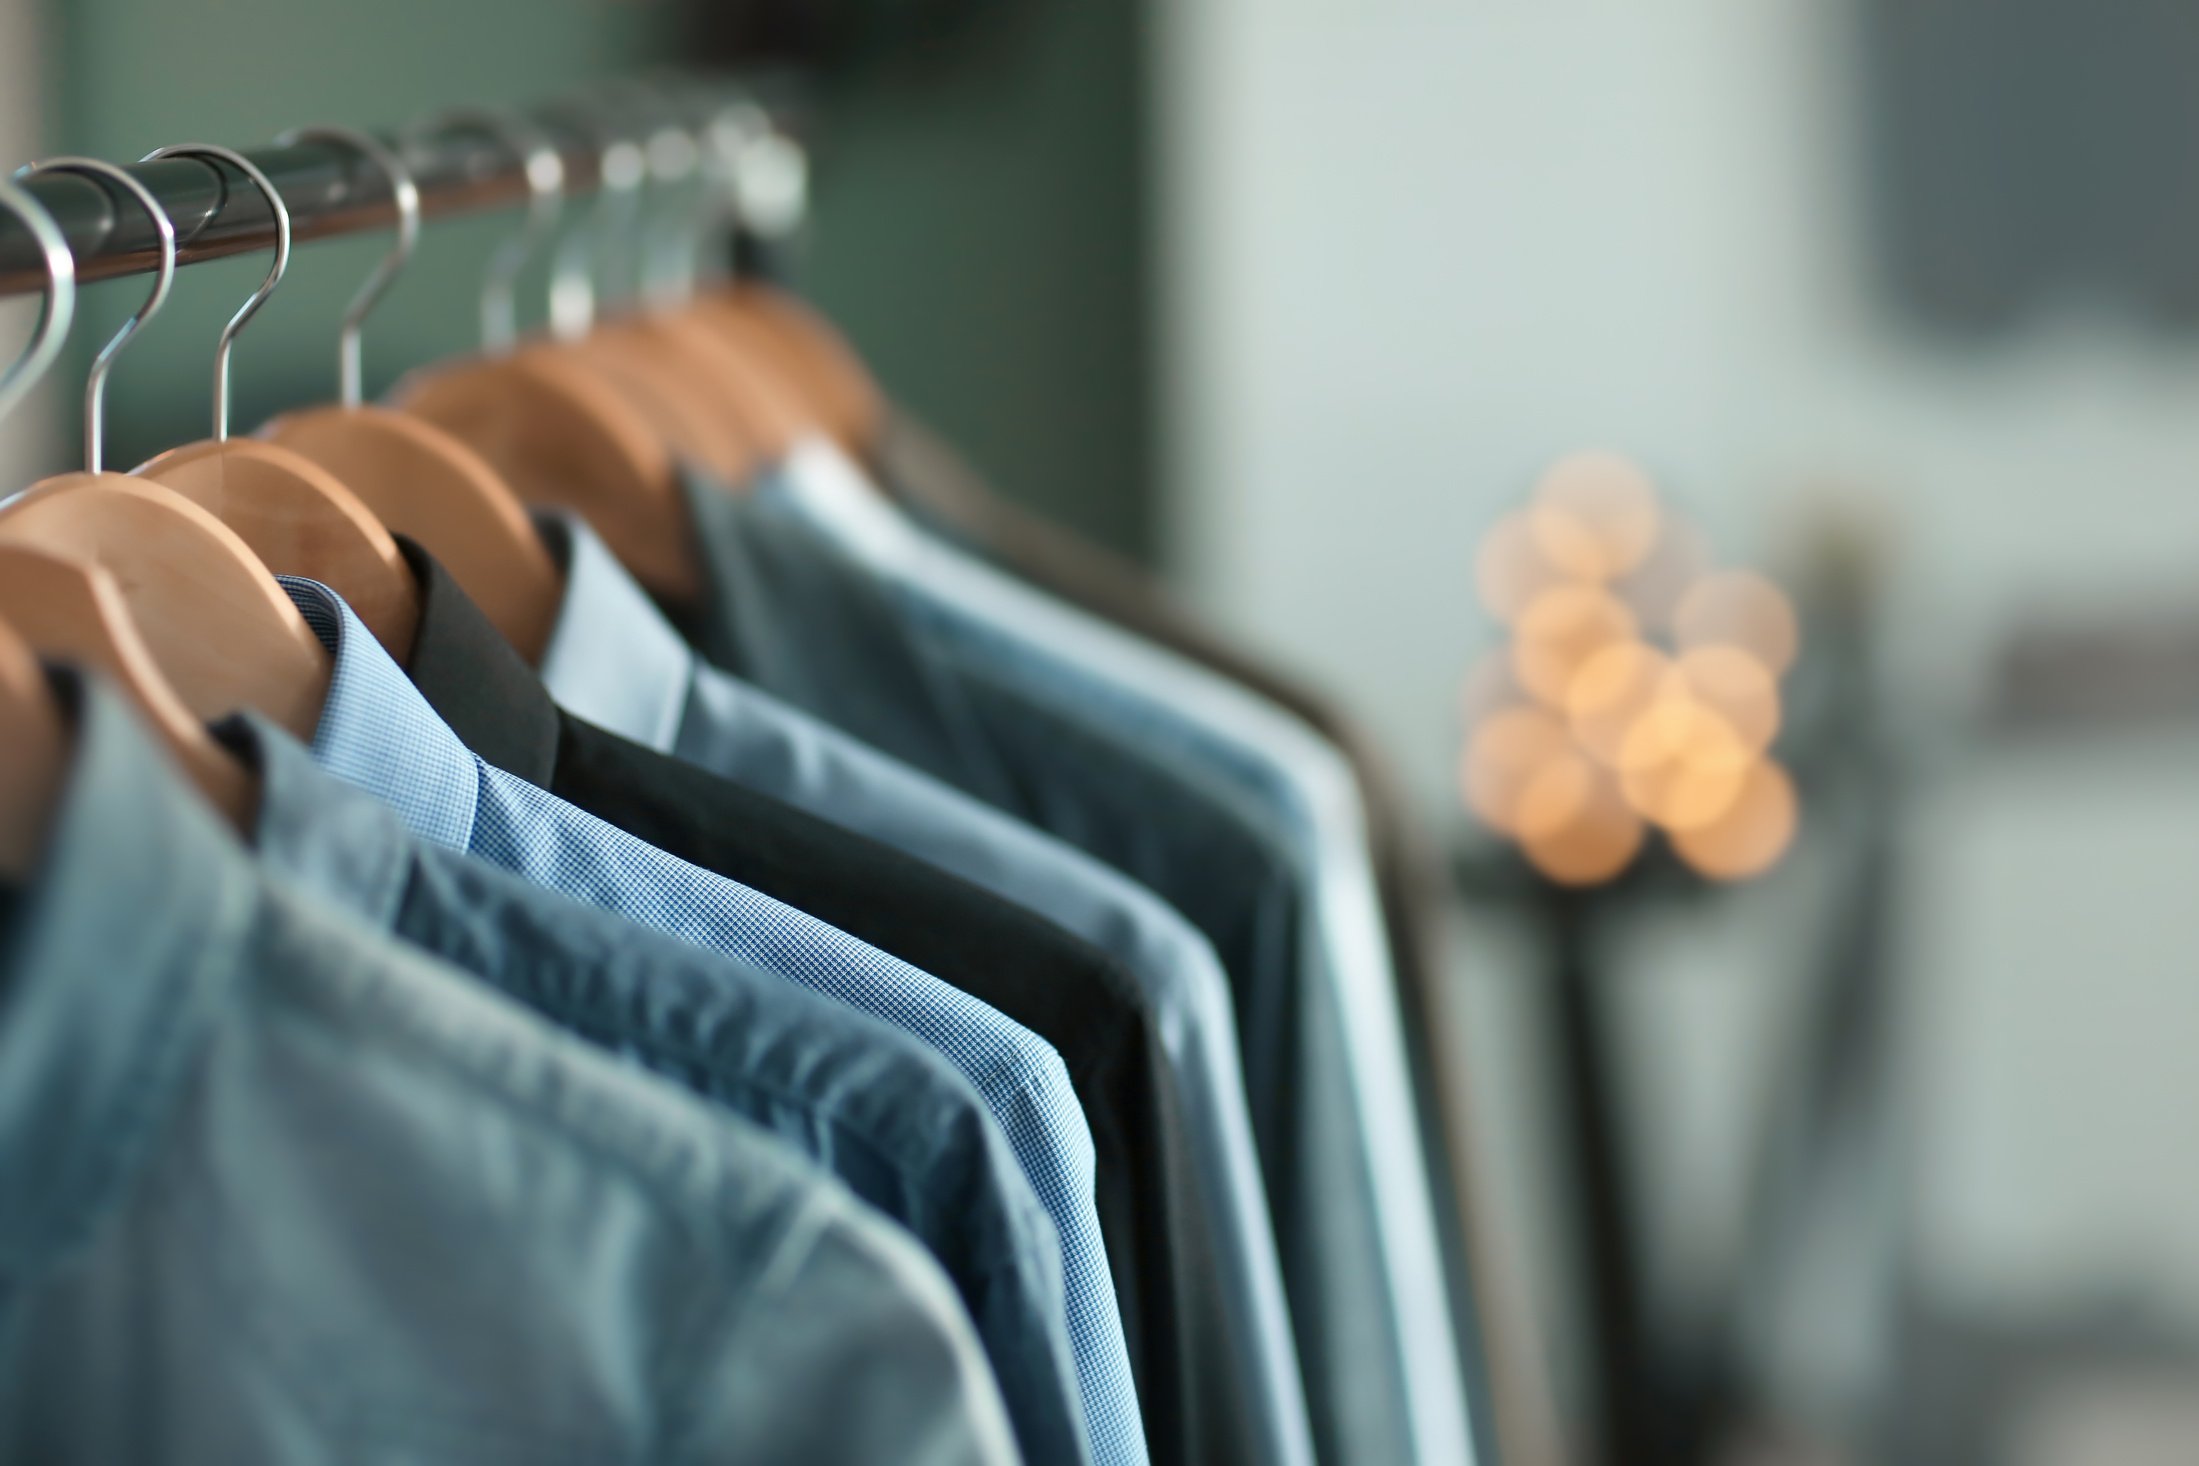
(817, 605)
(1051, 649)
(274, 1189)
(883, 1114)
(1060, 987)
(614, 660)
(377, 733)
(946, 492)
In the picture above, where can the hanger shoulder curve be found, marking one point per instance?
(73, 611)
(839, 386)
(746, 379)
(422, 481)
(217, 623)
(299, 519)
(559, 436)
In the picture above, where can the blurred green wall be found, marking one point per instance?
(979, 227)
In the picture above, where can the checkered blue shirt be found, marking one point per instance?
(378, 733)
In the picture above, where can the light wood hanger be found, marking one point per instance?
(297, 516)
(814, 361)
(669, 364)
(215, 620)
(62, 603)
(76, 612)
(549, 426)
(414, 477)
(33, 741)
(774, 388)
(37, 756)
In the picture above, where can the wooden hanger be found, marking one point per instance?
(756, 377)
(661, 378)
(34, 756)
(72, 611)
(839, 389)
(33, 742)
(411, 475)
(296, 516)
(785, 387)
(211, 628)
(550, 427)
(558, 435)
(211, 613)
(300, 519)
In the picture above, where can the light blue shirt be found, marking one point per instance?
(1071, 660)
(615, 661)
(275, 1189)
(378, 733)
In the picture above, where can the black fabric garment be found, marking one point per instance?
(1062, 988)
(794, 615)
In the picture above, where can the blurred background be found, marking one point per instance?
(1892, 303)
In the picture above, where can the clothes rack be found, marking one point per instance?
(329, 190)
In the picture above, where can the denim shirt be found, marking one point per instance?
(273, 1189)
(376, 732)
(615, 660)
(883, 1114)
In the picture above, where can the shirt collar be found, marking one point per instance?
(319, 832)
(124, 942)
(613, 659)
(474, 681)
(377, 732)
(829, 489)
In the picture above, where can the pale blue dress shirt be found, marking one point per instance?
(378, 733)
(875, 1108)
(1069, 659)
(614, 660)
(274, 1189)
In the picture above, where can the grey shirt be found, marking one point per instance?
(274, 1189)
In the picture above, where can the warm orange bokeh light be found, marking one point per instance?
(1653, 589)
(1734, 685)
(1553, 797)
(1753, 832)
(1504, 756)
(1559, 631)
(1696, 786)
(1583, 735)
(1600, 839)
(1510, 569)
(1740, 609)
(1594, 516)
(1611, 692)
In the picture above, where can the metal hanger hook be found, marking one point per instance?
(351, 390)
(95, 381)
(544, 169)
(668, 238)
(596, 249)
(275, 271)
(57, 303)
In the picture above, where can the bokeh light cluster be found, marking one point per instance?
(1638, 689)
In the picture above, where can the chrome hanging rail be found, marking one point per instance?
(329, 189)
